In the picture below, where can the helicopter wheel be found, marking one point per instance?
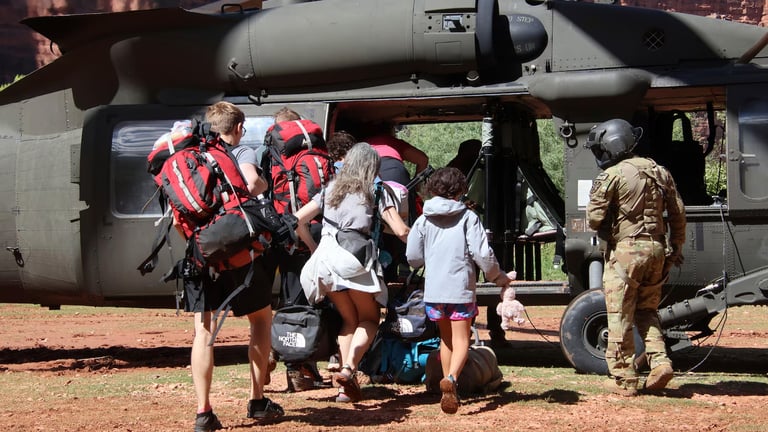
(584, 333)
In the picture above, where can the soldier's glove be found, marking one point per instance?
(675, 257)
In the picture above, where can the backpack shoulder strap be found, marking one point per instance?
(226, 305)
(292, 173)
(376, 229)
(149, 264)
(307, 139)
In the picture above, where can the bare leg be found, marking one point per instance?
(259, 346)
(348, 312)
(368, 315)
(360, 318)
(460, 336)
(201, 360)
(446, 345)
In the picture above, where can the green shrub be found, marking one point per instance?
(3, 86)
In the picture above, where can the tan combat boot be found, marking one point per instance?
(622, 387)
(659, 377)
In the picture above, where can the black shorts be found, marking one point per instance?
(394, 170)
(204, 294)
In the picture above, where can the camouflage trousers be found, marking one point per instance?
(632, 281)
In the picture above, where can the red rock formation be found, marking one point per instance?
(22, 50)
(749, 11)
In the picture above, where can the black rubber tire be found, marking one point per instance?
(584, 333)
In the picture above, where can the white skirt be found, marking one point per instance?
(333, 268)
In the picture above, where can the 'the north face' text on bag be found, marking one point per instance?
(407, 319)
(407, 314)
(301, 333)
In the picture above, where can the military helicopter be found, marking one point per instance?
(75, 133)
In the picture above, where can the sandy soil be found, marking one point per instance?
(65, 370)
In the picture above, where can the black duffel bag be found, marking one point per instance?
(305, 333)
(406, 317)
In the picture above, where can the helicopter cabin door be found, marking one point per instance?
(747, 150)
(129, 205)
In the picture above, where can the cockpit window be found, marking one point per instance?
(132, 187)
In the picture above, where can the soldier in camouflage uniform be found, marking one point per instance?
(626, 208)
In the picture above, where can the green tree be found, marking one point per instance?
(3, 86)
(439, 141)
(552, 150)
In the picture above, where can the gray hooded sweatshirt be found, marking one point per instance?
(448, 240)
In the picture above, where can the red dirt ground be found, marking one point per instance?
(102, 347)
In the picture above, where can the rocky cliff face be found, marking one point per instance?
(749, 11)
(22, 50)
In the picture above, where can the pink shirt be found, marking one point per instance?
(388, 146)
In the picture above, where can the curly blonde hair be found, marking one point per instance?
(361, 166)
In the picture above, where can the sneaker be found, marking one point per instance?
(207, 422)
(659, 377)
(449, 403)
(271, 410)
(346, 379)
(622, 387)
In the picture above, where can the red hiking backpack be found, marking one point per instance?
(298, 161)
(296, 179)
(198, 175)
(291, 136)
(202, 185)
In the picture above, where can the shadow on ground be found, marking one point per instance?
(514, 353)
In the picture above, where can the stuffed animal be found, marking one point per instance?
(510, 310)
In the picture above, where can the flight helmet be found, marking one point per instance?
(612, 141)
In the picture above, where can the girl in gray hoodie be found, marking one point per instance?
(449, 240)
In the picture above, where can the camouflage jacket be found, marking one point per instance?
(629, 200)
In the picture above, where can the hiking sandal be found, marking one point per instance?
(346, 379)
(342, 397)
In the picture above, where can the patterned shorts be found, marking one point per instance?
(452, 311)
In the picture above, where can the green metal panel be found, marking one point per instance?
(48, 203)
(9, 138)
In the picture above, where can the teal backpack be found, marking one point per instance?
(393, 360)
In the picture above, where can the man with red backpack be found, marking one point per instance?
(203, 294)
(296, 156)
